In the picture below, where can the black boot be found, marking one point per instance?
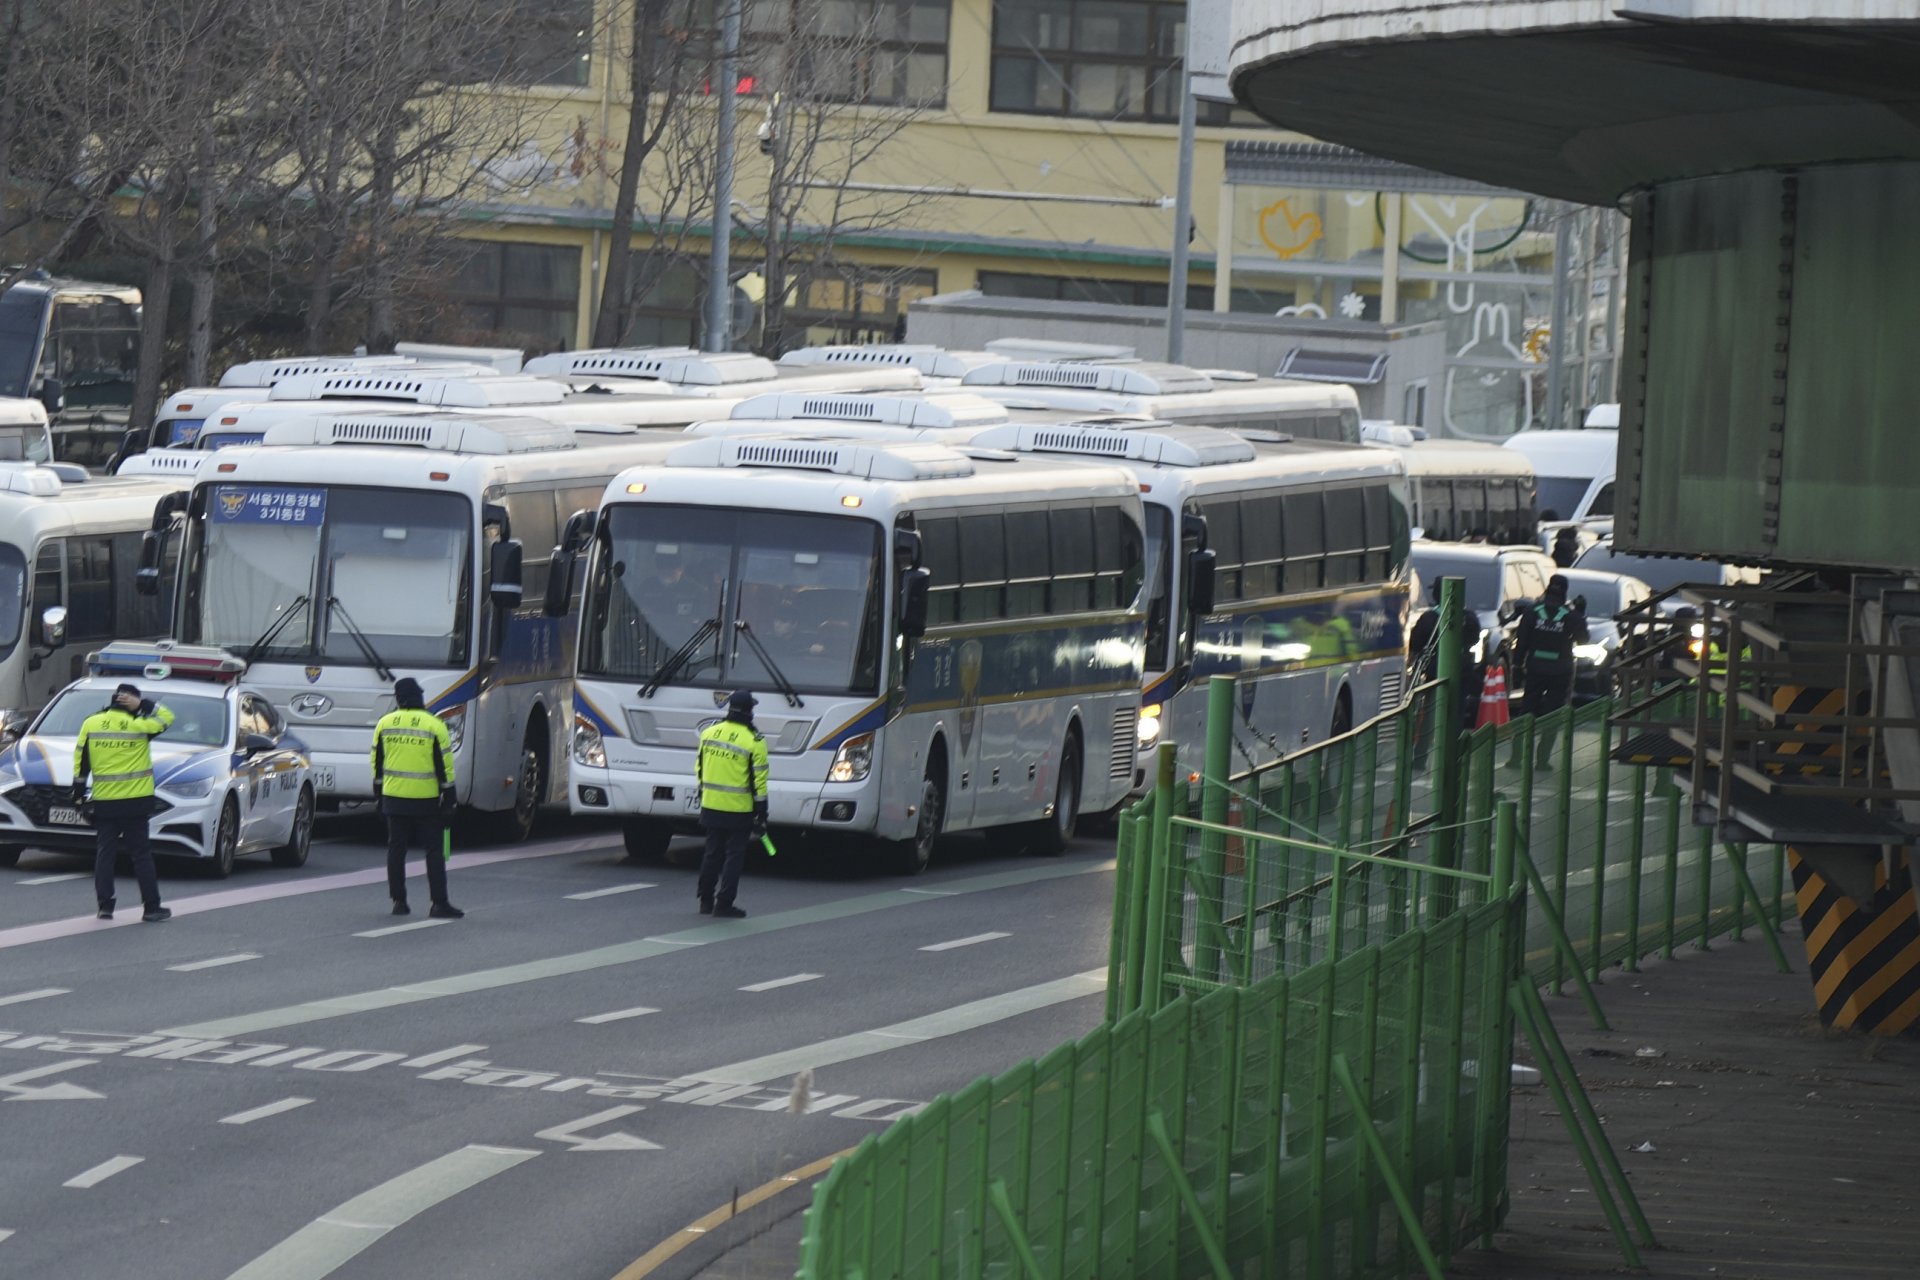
(728, 912)
(400, 907)
(446, 911)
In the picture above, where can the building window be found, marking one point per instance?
(1120, 293)
(829, 305)
(520, 295)
(1110, 59)
(879, 52)
(537, 42)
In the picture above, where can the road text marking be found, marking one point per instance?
(607, 893)
(444, 1055)
(965, 942)
(102, 1171)
(41, 994)
(616, 1015)
(237, 958)
(791, 979)
(326, 1244)
(401, 928)
(947, 1022)
(261, 1113)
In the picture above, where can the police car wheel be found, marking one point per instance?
(10, 854)
(226, 841)
(300, 838)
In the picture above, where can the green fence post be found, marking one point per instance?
(1779, 884)
(1563, 945)
(1596, 932)
(1411, 1071)
(1003, 1206)
(1139, 880)
(1408, 1218)
(1562, 824)
(1157, 1130)
(1210, 895)
(1745, 884)
(1446, 773)
(1636, 855)
(1159, 880)
(1706, 889)
(1672, 887)
(1118, 938)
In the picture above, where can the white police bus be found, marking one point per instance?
(391, 546)
(940, 641)
(1463, 489)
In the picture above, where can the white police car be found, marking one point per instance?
(228, 777)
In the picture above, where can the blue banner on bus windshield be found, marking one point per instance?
(184, 430)
(247, 504)
(228, 439)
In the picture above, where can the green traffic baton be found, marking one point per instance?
(766, 842)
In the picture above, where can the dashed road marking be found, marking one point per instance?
(966, 942)
(41, 994)
(617, 1015)
(607, 893)
(791, 979)
(102, 1171)
(70, 875)
(261, 1113)
(239, 957)
(401, 928)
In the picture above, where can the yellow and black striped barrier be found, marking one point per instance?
(1864, 957)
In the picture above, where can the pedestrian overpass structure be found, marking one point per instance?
(1768, 154)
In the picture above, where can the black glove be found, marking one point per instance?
(447, 801)
(760, 817)
(146, 706)
(79, 794)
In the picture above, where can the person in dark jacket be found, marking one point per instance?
(1566, 547)
(1543, 646)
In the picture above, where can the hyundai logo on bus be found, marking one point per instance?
(312, 705)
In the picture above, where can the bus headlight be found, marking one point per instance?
(853, 761)
(455, 718)
(588, 749)
(1149, 728)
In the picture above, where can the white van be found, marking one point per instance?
(1573, 470)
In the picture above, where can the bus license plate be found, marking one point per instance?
(323, 778)
(60, 815)
(692, 800)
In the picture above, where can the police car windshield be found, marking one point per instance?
(398, 561)
(198, 720)
(808, 586)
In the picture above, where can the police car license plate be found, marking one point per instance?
(60, 815)
(323, 778)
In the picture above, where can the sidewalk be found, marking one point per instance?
(1779, 1149)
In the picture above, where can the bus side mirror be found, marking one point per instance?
(914, 584)
(579, 528)
(506, 561)
(146, 580)
(53, 627)
(906, 548)
(1199, 583)
(52, 394)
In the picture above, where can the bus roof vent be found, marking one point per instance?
(1138, 378)
(681, 365)
(25, 477)
(163, 462)
(1160, 443)
(905, 460)
(930, 361)
(449, 433)
(266, 373)
(499, 359)
(469, 387)
(934, 411)
(1054, 349)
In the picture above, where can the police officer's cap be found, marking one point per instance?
(741, 700)
(407, 692)
(1557, 585)
(134, 690)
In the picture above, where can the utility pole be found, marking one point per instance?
(1560, 329)
(1182, 214)
(719, 327)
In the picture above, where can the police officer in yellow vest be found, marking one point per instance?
(413, 772)
(732, 769)
(113, 747)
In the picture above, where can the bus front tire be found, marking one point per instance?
(646, 840)
(530, 791)
(911, 856)
(1049, 836)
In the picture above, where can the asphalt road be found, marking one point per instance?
(277, 1084)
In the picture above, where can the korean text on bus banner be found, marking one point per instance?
(268, 504)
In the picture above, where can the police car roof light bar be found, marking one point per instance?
(163, 659)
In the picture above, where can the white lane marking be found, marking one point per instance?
(947, 1022)
(966, 942)
(619, 953)
(59, 1091)
(607, 893)
(4, 1233)
(71, 875)
(238, 957)
(618, 1140)
(41, 994)
(401, 928)
(616, 1015)
(261, 1113)
(444, 1055)
(327, 1243)
(788, 981)
(102, 1171)
(932, 893)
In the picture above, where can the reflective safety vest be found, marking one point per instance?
(412, 755)
(113, 747)
(731, 767)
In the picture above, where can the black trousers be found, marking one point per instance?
(421, 821)
(120, 830)
(1547, 691)
(727, 836)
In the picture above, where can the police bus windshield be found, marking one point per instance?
(396, 564)
(808, 587)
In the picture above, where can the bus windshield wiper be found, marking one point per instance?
(780, 681)
(274, 628)
(359, 637)
(681, 656)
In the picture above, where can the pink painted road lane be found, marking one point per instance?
(23, 935)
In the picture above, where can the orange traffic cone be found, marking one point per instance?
(1493, 698)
